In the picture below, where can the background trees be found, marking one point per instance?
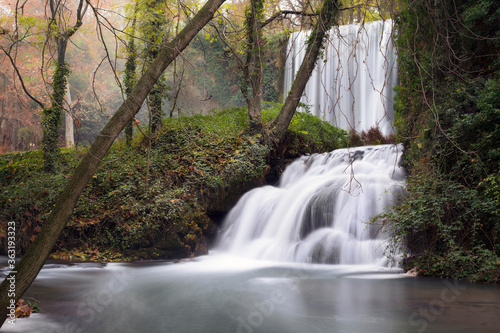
(20, 42)
(208, 76)
(32, 45)
(31, 263)
(58, 31)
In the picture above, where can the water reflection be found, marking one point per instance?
(224, 294)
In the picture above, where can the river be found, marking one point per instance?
(222, 293)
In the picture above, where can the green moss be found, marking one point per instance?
(448, 116)
(151, 200)
(51, 118)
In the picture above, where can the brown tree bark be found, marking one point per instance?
(253, 67)
(51, 117)
(27, 269)
(327, 18)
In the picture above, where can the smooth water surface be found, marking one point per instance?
(220, 293)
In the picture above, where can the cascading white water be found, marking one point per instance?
(320, 210)
(352, 85)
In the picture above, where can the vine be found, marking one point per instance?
(130, 75)
(51, 118)
(448, 116)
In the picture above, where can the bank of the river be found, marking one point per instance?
(158, 199)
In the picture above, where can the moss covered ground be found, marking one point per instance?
(155, 199)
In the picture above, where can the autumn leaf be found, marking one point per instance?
(23, 310)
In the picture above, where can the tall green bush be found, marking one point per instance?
(448, 116)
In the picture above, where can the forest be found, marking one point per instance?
(129, 129)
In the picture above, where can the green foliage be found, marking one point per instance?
(321, 134)
(130, 75)
(366, 10)
(28, 192)
(328, 14)
(153, 28)
(151, 201)
(448, 116)
(129, 82)
(442, 223)
(151, 25)
(477, 265)
(273, 67)
(130, 67)
(227, 123)
(491, 186)
(221, 77)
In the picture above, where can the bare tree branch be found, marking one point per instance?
(21, 78)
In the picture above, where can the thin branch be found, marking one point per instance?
(107, 56)
(21, 79)
(239, 59)
(283, 13)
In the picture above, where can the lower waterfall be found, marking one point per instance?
(320, 210)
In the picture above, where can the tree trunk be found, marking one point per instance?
(155, 97)
(156, 107)
(328, 16)
(51, 118)
(28, 267)
(68, 119)
(252, 69)
(129, 81)
(2, 113)
(130, 75)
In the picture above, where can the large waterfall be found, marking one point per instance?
(352, 84)
(320, 210)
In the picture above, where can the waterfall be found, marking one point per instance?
(320, 210)
(352, 84)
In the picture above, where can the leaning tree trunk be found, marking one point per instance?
(28, 267)
(328, 16)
